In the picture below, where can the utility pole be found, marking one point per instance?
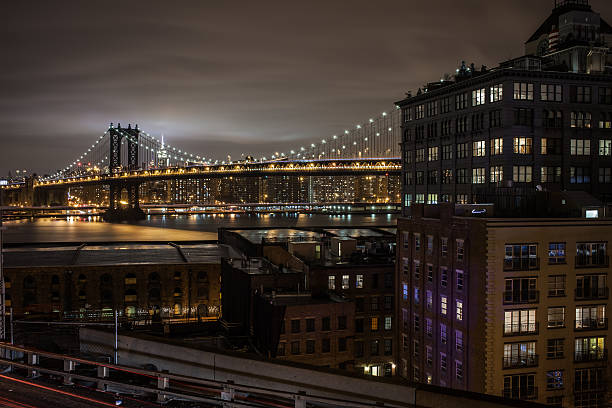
(2, 289)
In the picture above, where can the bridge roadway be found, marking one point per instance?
(335, 167)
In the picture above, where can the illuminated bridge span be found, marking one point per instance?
(125, 158)
(338, 167)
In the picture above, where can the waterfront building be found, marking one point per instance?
(171, 281)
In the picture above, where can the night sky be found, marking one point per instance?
(218, 77)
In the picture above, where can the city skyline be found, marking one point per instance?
(192, 75)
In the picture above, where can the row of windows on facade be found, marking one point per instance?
(520, 146)
(518, 322)
(589, 386)
(107, 295)
(107, 279)
(551, 119)
(518, 355)
(358, 281)
(522, 91)
(374, 324)
(459, 305)
(325, 346)
(495, 174)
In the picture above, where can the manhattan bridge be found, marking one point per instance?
(126, 168)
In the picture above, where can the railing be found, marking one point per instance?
(585, 356)
(591, 324)
(521, 329)
(597, 261)
(529, 393)
(591, 293)
(522, 264)
(525, 296)
(520, 361)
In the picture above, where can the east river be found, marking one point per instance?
(201, 227)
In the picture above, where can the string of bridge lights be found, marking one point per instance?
(334, 137)
(185, 156)
(78, 159)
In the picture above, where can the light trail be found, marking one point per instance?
(95, 401)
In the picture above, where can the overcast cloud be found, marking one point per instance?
(218, 77)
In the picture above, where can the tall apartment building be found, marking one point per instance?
(515, 307)
(539, 122)
(509, 298)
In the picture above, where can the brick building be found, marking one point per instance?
(514, 307)
(138, 279)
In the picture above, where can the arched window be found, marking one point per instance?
(82, 295)
(7, 282)
(55, 280)
(178, 292)
(177, 275)
(82, 279)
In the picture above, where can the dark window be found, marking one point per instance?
(359, 305)
(281, 349)
(495, 119)
(388, 347)
(342, 344)
(605, 96)
(388, 280)
(325, 324)
(359, 325)
(295, 326)
(523, 117)
(325, 346)
(374, 281)
(341, 322)
(295, 347)
(375, 347)
(310, 325)
(310, 346)
(388, 302)
(462, 150)
(358, 345)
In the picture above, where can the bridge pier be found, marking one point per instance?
(119, 210)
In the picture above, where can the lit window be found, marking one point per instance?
(405, 291)
(387, 322)
(496, 93)
(497, 174)
(478, 97)
(479, 175)
(331, 282)
(605, 147)
(345, 281)
(554, 380)
(523, 91)
(459, 310)
(443, 305)
(374, 324)
(522, 145)
(479, 148)
(443, 334)
(580, 147)
(359, 281)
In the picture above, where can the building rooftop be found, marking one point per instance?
(257, 236)
(301, 299)
(113, 254)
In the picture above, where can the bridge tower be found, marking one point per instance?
(116, 137)
(118, 210)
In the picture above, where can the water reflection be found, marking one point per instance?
(173, 227)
